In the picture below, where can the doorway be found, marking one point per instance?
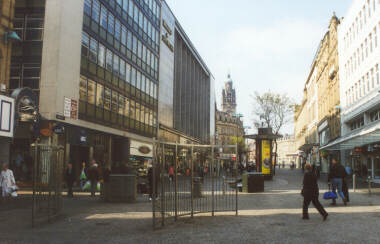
(79, 154)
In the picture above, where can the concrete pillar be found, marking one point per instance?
(91, 156)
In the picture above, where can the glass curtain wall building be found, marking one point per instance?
(94, 66)
(119, 64)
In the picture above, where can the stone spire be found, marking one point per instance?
(229, 96)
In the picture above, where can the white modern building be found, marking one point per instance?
(359, 60)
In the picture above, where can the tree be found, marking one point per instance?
(272, 110)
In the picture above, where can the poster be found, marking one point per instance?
(265, 157)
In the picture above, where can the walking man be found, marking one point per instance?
(93, 176)
(336, 175)
(310, 193)
(70, 178)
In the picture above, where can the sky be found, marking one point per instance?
(267, 45)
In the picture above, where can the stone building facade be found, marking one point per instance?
(6, 25)
(328, 90)
(286, 150)
(317, 119)
(227, 125)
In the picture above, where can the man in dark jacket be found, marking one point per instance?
(70, 178)
(336, 175)
(93, 176)
(310, 193)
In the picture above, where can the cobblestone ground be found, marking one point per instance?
(270, 217)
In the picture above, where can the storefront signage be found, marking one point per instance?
(167, 42)
(61, 117)
(142, 149)
(46, 128)
(265, 157)
(26, 105)
(59, 129)
(167, 28)
(7, 107)
(70, 109)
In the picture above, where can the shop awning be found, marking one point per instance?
(307, 147)
(364, 136)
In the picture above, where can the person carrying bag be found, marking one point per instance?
(310, 193)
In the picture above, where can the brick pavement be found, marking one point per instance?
(270, 217)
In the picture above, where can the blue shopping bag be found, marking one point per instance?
(330, 195)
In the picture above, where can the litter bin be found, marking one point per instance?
(121, 188)
(253, 182)
(197, 189)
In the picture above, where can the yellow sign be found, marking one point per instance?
(265, 157)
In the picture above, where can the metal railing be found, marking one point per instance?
(192, 179)
(47, 182)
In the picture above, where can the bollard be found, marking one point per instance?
(354, 182)
(369, 185)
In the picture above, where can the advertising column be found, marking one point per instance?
(266, 157)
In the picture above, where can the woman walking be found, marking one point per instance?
(310, 193)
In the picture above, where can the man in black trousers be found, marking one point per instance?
(70, 178)
(310, 193)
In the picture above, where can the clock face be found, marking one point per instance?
(27, 109)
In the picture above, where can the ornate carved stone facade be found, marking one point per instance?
(229, 97)
(228, 126)
(317, 118)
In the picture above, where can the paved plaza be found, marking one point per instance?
(270, 217)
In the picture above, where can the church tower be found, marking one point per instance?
(229, 97)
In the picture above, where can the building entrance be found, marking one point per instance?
(78, 155)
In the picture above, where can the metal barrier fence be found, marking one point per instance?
(47, 182)
(193, 179)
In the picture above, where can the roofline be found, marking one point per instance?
(188, 42)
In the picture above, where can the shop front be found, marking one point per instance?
(140, 159)
(7, 108)
(359, 150)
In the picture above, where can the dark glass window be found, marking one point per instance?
(111, 23)
(85, 44)
(117, 29)
(103, 17)
(95, 10)
(124, 35)
(93, 50)
(87, 7)
(109, 60)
